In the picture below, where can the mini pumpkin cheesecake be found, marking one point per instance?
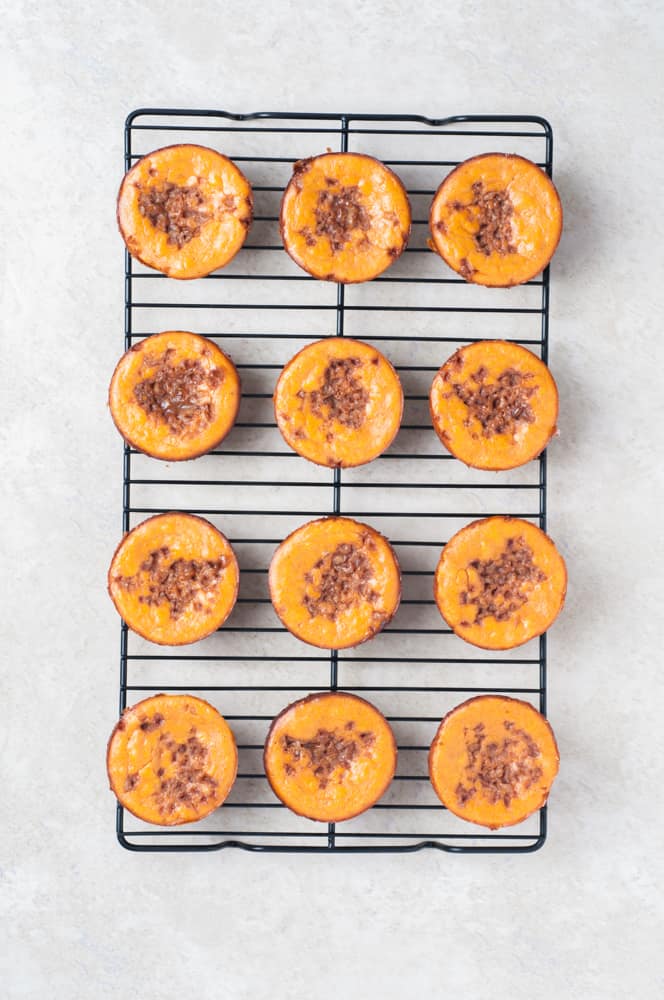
(330, 756)
(334, 582)
(344, 217)
(494, 405)
(496, 220)
(184, 210)
(174, 579)
(500, 582)
(171, 759)
(174, 396)
(338, 403)
(493, 761)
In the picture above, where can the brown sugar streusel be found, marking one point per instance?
(180, 212)
(345, 579)
(188, 782)
(339, 211)
(494, 215)
(499, 406)
(503, 769)
(504, 582)
(327, 751)
(180, 583)
(341, 394)
(179, 394)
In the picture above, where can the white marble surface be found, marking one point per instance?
(581, 919)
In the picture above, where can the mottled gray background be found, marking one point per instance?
(581, 919)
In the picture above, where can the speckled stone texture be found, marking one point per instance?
(582, 919)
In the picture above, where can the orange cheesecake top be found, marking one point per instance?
(330, 756)
(171, 759)
(339, 402)
(500, 581)
(496, 219)
(344, 217)
(184, 210)
(493, 761)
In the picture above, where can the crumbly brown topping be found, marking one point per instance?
(504, 770)
(498, 406)
(180, 583)
(309, 237)
(300, 167)
(328, 750)
(131, 781)
(503, 583)
(149, 725)
(189, 784)
(466, 269)
(180, 212)
(179, 395)
(338, 212)
(345, 580)
(342, 393)
(494, 215)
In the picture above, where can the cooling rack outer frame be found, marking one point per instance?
(489, 126)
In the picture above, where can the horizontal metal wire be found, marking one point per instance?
(315, 486)
(296, 307)
(318, 833)
(383, 279)
(411, 689)
(374, 337)
(321, 659)
(461, 515)
(330, 131)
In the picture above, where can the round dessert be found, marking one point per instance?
(335, 582)
(500, 582)
(174, 579)
(496, 220)
(493, 761)
(339, 403)
(494, 405)
(330, 756)
(184, 210)
(344, 217)
(171, 759)
(174, 395)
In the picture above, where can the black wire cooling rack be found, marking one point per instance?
(262, 309)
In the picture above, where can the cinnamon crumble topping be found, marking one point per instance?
(309, 237)
(328, 750)
(180, 212)
(342, 393)
(504, 770)
(345, 580)
(189, 784)
(498, 406)
(179, 394)
(494, 215)
(503, 583)
(338, 212)
(466, 270)
(181, 583)
(149, 725)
